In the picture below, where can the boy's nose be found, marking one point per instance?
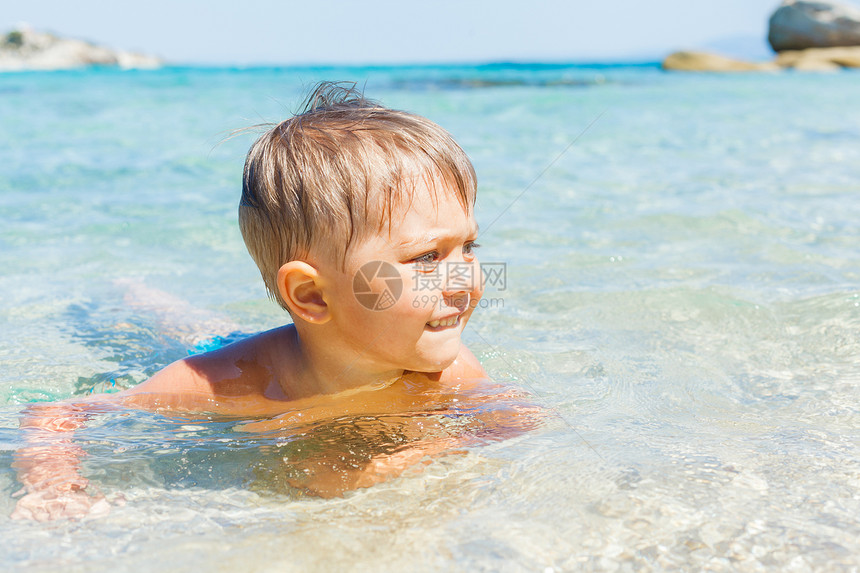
(460, 277)
(459, 300)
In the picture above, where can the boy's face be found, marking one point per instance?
(404, 296)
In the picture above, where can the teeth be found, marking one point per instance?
(447, 322)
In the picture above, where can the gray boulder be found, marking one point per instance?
(798, 24)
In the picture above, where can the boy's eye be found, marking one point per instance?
(469, 248)
(427, 261)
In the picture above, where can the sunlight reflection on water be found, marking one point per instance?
(682, 295)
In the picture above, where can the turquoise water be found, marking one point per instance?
(682, 290)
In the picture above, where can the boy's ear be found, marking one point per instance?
(299, 285)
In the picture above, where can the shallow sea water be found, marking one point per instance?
(682, 293)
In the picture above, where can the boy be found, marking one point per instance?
(346, 208)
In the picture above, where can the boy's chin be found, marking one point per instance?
(437, 362)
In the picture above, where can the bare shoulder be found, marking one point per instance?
(239, 369)
(177, 378)
(465, 367)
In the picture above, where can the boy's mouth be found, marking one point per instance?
(445, 322)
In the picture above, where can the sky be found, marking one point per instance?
(248, 32)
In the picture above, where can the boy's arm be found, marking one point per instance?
(340, 468)
(48, 466)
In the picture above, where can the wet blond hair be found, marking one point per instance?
(331, 175)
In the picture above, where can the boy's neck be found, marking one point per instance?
(308, 369)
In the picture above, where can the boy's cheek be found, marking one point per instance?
(424, 301)
(477, 293)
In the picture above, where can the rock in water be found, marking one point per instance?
(820, 59)
(707, 62)
(26, 49)
(798, 24)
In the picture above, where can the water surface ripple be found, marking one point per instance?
(682, 293)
